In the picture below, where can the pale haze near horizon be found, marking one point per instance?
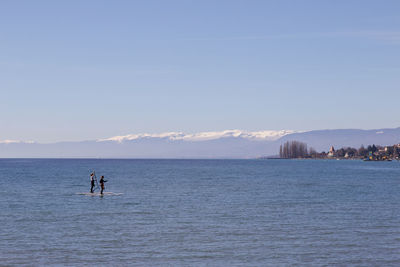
(83, 70)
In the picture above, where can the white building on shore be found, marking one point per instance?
(331, 152)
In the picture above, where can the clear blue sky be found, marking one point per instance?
(78, 70)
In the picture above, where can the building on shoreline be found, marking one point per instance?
(296, 149)
(331, 152)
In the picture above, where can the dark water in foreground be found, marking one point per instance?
(201, 212)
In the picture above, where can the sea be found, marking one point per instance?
(200, 213)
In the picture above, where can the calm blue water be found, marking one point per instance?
(200, 212)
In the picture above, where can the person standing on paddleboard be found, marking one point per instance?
(91, 182)
(102, 181)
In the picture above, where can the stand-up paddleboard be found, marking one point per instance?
(98, 194)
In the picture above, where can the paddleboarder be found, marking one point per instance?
(91, 182)
(102, 181)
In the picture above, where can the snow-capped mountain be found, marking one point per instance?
(205, 136)
(223, 144)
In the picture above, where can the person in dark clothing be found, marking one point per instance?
(91, 182)
(102, 181)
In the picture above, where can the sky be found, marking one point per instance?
(83, 70)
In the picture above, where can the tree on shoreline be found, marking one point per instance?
(293, 149)
(297, 149)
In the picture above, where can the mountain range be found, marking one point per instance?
(222, 144)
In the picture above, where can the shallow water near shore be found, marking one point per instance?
(200, 212)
